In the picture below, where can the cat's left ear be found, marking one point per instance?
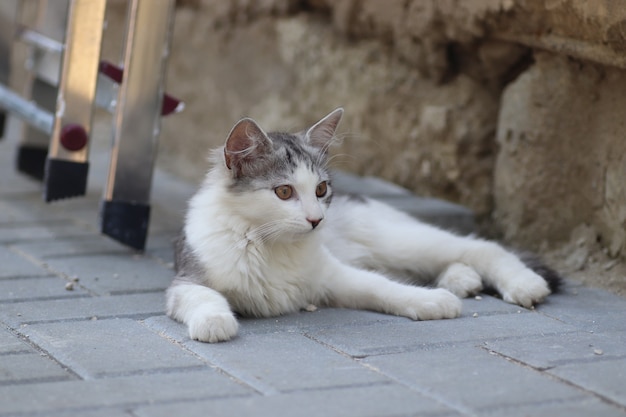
(247, 143)
(321, 133)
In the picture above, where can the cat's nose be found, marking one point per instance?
(314, 222)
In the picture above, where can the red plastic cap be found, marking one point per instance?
(73, 137)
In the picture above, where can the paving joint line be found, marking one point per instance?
(456, 407)
(557, 378)
(205, 360)
(46, 298)
(133, 316)
(39, 262)
(43, 352)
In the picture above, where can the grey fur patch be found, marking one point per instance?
(276, 167)
(186, 263)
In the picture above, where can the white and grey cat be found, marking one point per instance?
(261, 238)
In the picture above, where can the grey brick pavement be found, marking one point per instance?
(105, 347)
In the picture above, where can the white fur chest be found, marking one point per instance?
(257, 279)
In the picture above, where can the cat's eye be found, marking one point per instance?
(284, 192)
(322, 189)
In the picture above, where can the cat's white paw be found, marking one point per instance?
(433, 304)
(461, 280)
(526, 289)
(212, 327)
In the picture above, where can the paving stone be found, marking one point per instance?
(435, 211)
(275, 362)
(166, 219)
(605, 377)
(547, 351)
(10, 214)
(82, 245)
(14, 265)
(440, 213)
(487, 305)
(374, 400)
(115, 411)
(30, 367)
(361, 341)
(92, 348)
(584, 407)
(40, 231)
(161, 247)
(331, 318)
(296, 322)
(39, 288)
(114, 273)
(123, 391)
(127, 305)
(12, 183)
(469, 378)
(29, 207)
(588, 309)
(285, 362)
(11, 344)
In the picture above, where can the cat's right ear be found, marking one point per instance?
(246, 142)
(322, 133)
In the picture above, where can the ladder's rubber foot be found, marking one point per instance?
(65, 179)
(31, 160)
(126, 222)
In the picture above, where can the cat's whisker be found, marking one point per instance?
(270, 231)
(332, 159)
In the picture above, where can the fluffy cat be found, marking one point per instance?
(261, 238)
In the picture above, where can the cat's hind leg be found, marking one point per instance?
(460, 279)
(205, 311)
(388, 240)
(350, 287)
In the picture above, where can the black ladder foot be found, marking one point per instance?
(126, 222)
(65, 179)
(31, 160)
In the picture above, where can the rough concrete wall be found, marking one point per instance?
(562, 159)
(435, 91)
(421, 109)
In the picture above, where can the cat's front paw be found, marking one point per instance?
(526, 289)
(212, 327)
(433, 304)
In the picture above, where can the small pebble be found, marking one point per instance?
(478, 297)
(475, 315)
(598, 352)
(94, 318)
(311, 308)
(69, 286)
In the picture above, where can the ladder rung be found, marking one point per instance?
(27, 110)
(36, 39)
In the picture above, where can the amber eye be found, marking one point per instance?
(284, 192)
(322, 189)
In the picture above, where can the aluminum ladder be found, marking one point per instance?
(51, 77)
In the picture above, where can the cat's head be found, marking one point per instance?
(279, 182)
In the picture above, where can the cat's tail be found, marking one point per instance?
(534, 262)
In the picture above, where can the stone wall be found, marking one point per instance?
(512, 107)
